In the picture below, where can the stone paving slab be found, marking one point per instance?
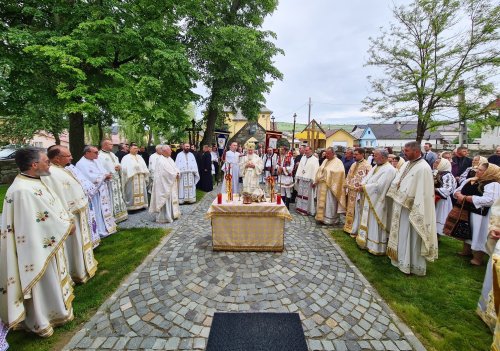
(169, 301)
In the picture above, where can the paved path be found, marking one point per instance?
(169, 301)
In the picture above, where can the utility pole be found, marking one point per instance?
(293, 132)
(462, 136)
(309, 115)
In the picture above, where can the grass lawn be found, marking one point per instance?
(199, 194)
(440, 307)
(3, 190)
(118, 255)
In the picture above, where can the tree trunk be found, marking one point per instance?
(57, 138)
(76, 135)
(208, 136)
(421, 127)
(100, 130)
(150, 137)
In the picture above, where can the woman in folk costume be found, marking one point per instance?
(285, 178)
(471, 171)
(479, 194)
(397, 162)
(488, 306)
(444, 186)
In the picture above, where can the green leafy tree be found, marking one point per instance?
(232, 55)
(96, 62)
(431, 46)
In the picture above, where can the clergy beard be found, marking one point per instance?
(42, 173)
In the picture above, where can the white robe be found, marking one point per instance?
(109, 161)
(135, 175)
(251, 175)
(151, 166)
(90, 190)
(231, 164)
(413, 238)
(304, 179)
(444, 205)
(35, 288)
(78, 246)
(164, 198)
(186, 163)
(101, 202)
(479, 224)
(374, 223)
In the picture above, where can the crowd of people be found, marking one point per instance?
(55, 213)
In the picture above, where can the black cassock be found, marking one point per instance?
(206, 181)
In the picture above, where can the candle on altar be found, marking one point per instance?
(219, 198)
(278, 199)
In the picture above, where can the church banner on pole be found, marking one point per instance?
(221, 137)
(272, 138)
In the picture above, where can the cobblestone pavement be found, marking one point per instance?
(169, 301)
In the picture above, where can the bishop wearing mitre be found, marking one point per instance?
(251, 167)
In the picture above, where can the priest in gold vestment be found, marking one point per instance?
(78, 246)
(413, 237)
(135, 175)
(359, 169)
(329, 183)
(488, 306)
(251, 167)
(35, 288)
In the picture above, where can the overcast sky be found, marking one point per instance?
(325, 44)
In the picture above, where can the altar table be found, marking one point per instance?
(259, 226)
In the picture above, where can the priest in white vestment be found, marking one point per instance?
(357, 171)
(111, 164)
(92, 169)
(329, 183)
(135, 175)
(152, 165)
(304, 181)
(78, 246)
(444, 187)
(251, 167)
(164, 197)
(413, 238)
(231, 167)
(374, 225)
(36, 290)
(187, 165)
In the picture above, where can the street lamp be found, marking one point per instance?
(293, 132)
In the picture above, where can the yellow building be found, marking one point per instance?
(313, 135)
(339, 137)
(235, 120)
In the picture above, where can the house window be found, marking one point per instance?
(38, 144)
(369, 132)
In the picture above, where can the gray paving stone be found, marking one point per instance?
(168, 303)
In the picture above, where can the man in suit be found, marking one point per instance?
(429, 156)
